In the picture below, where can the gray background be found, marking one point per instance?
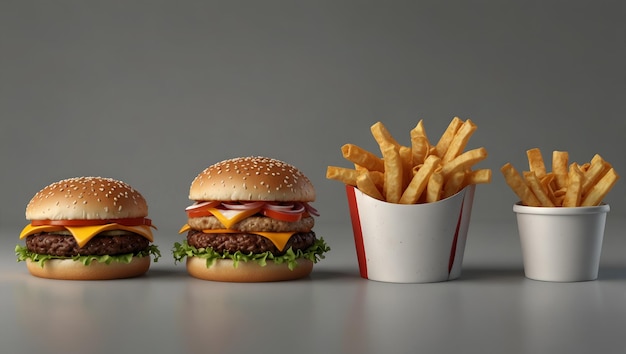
(152, 92)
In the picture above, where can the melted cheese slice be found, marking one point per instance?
(83, 234)
(229, 217)
(279, 239)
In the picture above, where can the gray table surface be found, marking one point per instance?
(491, 308)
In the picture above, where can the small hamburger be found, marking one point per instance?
(251, 221)
(87, 228)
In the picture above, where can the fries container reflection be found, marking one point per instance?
(546, 312)
(561, 244)
(416, 243)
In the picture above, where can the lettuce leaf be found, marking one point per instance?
(23, 254)
(313, 253)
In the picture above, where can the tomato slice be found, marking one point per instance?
(200, 209)
(278, 215)
(125, 222)
(198, 213)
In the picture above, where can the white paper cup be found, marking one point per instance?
(417, 243)
(561, 244)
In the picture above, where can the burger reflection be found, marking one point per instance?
(78, 316)
(236, 317)
(59, 314)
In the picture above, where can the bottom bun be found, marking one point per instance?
(68, 269)
(247, 272)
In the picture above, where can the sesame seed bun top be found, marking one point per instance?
(86, 198)
(252, 179)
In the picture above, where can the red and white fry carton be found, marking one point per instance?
(415, 243)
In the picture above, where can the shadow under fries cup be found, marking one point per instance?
(561, 244)
(410, 243)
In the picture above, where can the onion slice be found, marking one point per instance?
(291, 208)
(311, 209)
(287, 209)
(197, 205)
(243, 205)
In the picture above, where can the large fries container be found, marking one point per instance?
(417, 243)
(561, 244)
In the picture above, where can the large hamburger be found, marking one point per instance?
(87, 228)
(251, 221)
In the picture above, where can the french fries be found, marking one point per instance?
(342, 174)
(420, 172)
(535, 162)
(415, 188)
(393, 180)
(362, 157)
(569, 184)
(518, 185)
(367, 184)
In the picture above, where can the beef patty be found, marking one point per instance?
(66, 246)
(247, 242)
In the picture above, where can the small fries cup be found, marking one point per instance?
(561, 244)
(410, 243)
